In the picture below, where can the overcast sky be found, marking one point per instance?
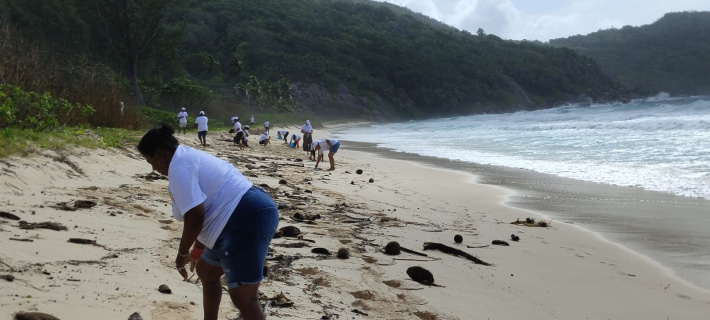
(547, 19)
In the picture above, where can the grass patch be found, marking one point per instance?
(22, 142)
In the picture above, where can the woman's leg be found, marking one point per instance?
(211, 288)
(246, 298)
(332, 161)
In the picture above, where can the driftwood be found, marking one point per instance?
(292, 245)
(500, 243)
(453, 251)
(413, 252)
(8, 215)
(477, 246)
(23, 240)
(34, 316)
(82, 241)
(42, 225)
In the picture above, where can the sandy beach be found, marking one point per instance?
(120, 211)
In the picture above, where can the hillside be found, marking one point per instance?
(671, 54)
(341, 58)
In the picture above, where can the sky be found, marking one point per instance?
(547, 19)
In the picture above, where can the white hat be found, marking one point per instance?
(183, 109)
(308, 122)
(202, 113)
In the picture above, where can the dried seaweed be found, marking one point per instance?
(453, 251)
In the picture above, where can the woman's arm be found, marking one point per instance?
(192, 226)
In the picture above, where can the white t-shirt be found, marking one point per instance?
(182, 115)
(263, 136)
(198, 177)
(201, 123)
(295, 136)
(251, 119)
(266, 124)
(282, 132)
(324, 145)
(306, 128)
(237, 127)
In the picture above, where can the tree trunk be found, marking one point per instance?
(133, 76)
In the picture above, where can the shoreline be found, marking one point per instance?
(558, 272)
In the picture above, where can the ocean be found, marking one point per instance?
(637, 173)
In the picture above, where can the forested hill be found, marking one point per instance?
(671, 55)
(339, 57)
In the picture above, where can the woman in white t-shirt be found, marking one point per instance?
(201, 123)
(332, 145)
(227, 221)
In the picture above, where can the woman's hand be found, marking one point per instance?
(195, 255)
(180, 263)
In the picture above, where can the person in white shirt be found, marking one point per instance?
(251, 119)
(295, 139)
(307, 131)
(239, 133)
(332, 145)
(264, 139)
(182, 120)
(245, 139)
(201, 122)
(284, 135)
(228, 222)
(266, 126)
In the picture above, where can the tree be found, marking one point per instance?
(130, 27)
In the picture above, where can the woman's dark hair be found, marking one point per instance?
(158, 138)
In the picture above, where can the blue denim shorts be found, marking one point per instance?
(242, 246)
(334, 148)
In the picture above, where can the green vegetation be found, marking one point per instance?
(23, 142)
(671, 55)
(335, 58)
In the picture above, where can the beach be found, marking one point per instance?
(558, 271)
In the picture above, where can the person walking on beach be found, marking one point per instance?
(266, 126)
(284, 135)
(295, 139)
(182, 120)
(307, 131)
(251, 119)
(264, 139)
(201, 122)
(332, 145)
(228, 222)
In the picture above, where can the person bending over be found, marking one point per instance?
(332, 145)
(264, 139)
(295, 139)
(228, 222)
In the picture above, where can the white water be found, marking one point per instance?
(659, 144)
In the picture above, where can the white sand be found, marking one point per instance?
(560, 272)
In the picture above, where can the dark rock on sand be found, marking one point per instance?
(343, 253)
(514, 237)
(393, 248)
(135, 316)
(8, 215)
(371, 180)
(164, 289)
(283, 181)
(320, 251)
(359, 171)
(458, 238)
(290, 231)
(420, 275)
(34, 316)
(278, 234)
(500, 243)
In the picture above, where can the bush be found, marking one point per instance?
(40, 112)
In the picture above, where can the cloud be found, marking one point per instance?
(547, 19)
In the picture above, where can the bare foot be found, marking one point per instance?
(331, 169)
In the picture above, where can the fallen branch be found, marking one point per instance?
(413, 252)
(453, 251)
(23, 240)
(477, 246)
(42, 225)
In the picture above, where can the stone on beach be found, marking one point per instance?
(458, 238)
(393, 248)
(420, 275)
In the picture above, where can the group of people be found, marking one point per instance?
(241, 137)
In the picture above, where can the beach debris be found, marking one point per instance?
(292, 245)
(152, 176)
(358, 171)
(42, 225)
(453, 251)
(413, 252)
(530, 222)
(458, 238)
(343, 253)
(290, 231)
(78, 204)
(514, 237)
(421, 275)
(278, 234)
(477, 246)
(371, 180)
(8, 277)
(22, 239)
(320, 251)
(135, 316)
(34, 316)
(283, 181)
(306, 217)
(82, 241)
(500, 243)
(364, 294)
(163, 288)
(280, 301)
(392, 248)
(358, 312)
(8, 215)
